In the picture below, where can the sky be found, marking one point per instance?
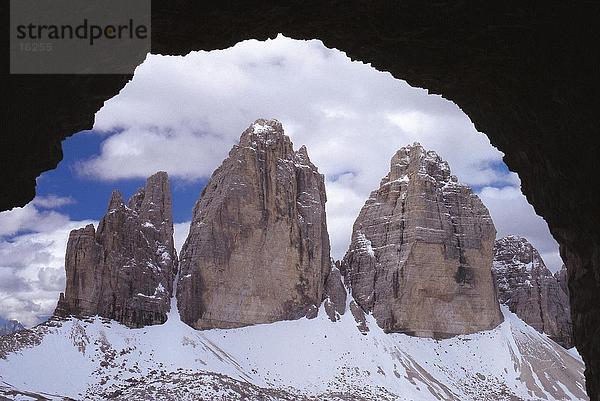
(182, 114)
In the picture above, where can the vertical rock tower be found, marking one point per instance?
(531, 291)
(421, 252)
(125, 269)
(258, 248)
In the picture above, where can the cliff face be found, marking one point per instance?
(125, 269)
(531, 291)
(335, 294)
(258, 248)
(421, 252)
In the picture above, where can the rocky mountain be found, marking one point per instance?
(9, 326)
(421, 252)
(258, 248)
(125, 269)
(531, 291)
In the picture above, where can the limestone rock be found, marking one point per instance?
(125, 269)
(258, 248)
(359, 317)
(531, 291)
(562, 278)
(421, 251)
(335, 294)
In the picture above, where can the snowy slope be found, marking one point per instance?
(303, 359)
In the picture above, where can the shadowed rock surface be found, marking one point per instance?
(561, 276)
(335, 294)
(421, 251)
(531, 291)
(258, 248)
(124, 270)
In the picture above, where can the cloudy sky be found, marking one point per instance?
(183, 114)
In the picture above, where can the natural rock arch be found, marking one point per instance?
(526, 76)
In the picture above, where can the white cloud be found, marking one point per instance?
(512, 214)
(180, 233)
(33, 242)
(30, 218)
(343, 205)
(32, 272)
(183, 114)
(52, 201)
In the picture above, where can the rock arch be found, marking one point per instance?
(525, 75)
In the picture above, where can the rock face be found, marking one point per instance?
(561, 277)
(531, 291)
(258, 248)
(125, 269)
(421, 251)
(9, 326)
(335, 294)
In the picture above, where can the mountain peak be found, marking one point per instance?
(422, 249)
(514, 239)
(9, 326)
(530, 290)
(516, 252)
(159, 179)
(258, 238)
(415, 161)
(266, 135)
(116, 200)
(264, 125)
(125, 269)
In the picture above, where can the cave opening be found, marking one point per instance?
(182, 115)
(506, 84)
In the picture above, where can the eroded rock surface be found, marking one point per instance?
(531, 291)
(258, 248)
(421, 251)
(125, 269)
(335, 294)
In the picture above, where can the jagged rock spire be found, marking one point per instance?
(258, 248)
(421, 251)
(125, 269)
(531, 291)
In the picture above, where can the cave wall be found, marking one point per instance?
(526, 76)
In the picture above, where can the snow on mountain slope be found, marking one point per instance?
(304, 359)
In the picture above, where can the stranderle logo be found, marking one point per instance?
(78, 36)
